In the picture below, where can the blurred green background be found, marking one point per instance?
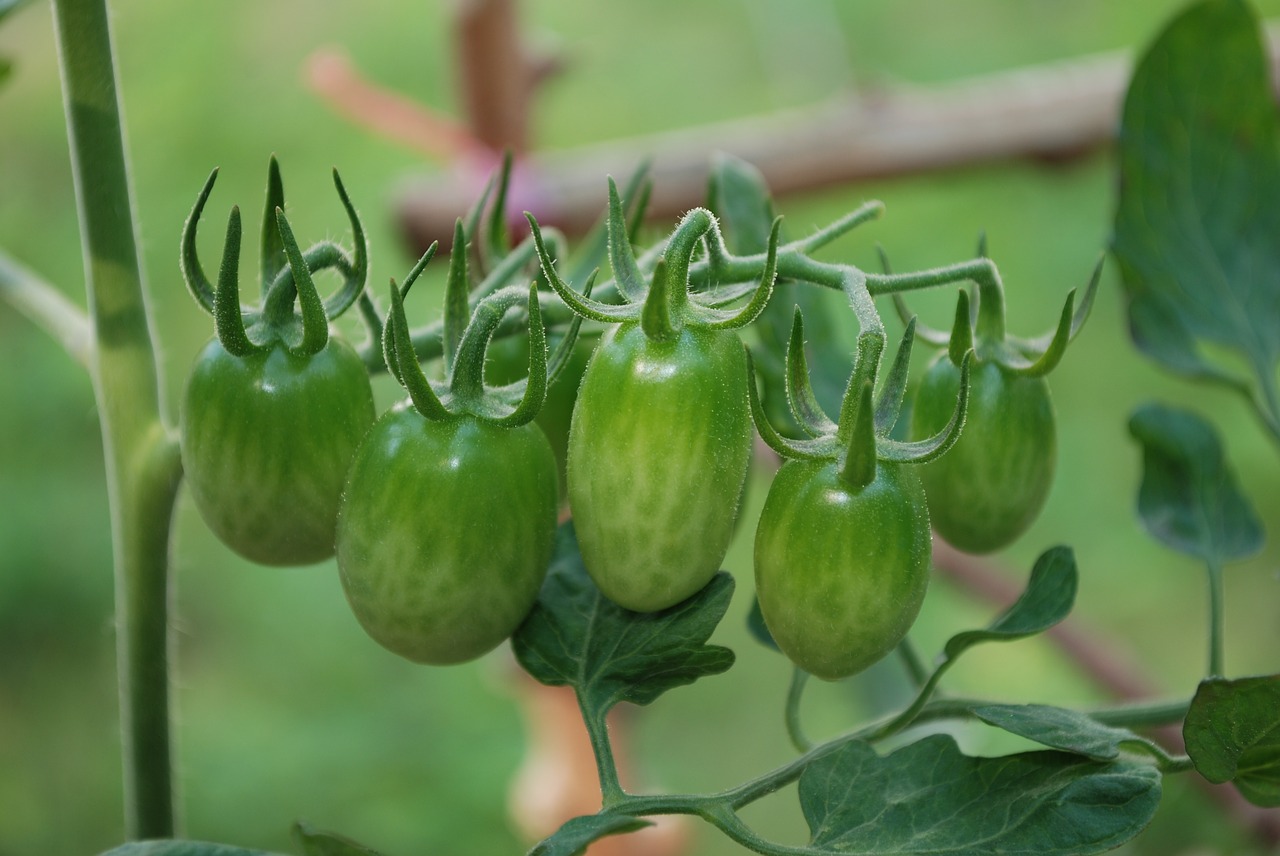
(285, 709)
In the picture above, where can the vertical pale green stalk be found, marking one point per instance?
(1217, 620)
(142, 464)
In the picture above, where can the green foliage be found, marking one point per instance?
(317, 842)
(1059, 728)
(1199, 203)
(576, 637)
(1048, 597)
(572, 838)
(182, 848)
(1233, 735)
(1189, 498)
(928, 797)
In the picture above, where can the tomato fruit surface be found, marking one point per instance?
(659, 448)
(445, 532)
(988, 489)
(841, 574)
(266, 442)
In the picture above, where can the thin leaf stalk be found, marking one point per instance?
(1217, 619)
(795, 729)
(142, 464)
(602, 747)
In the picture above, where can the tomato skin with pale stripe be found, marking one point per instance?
(988, 489)
(266, 443)
(659, 448)
(841, 574)
(445, 533)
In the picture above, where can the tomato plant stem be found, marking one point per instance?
(1216, 619)
(142, 464)
(799, 678)
(912, 662)
(47, 308)
(598, 731)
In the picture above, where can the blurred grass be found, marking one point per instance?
(286, 709)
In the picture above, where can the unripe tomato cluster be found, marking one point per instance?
(442, 512)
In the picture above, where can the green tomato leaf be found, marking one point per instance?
(316, 842)
(575, 636)
(1199, 203)
(1232, 734)
(927, 797)
(758, 629)
(740, 199)
(572, 838)
(169, 847)
(1189, 499)
(1059, 728)
(1048, 599)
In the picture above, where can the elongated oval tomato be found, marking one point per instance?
(840, 574)
(988, 489)
(445, 533)
(659, 448)
(266, 443)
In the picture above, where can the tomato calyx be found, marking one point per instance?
(286, 278)
(665, 304)
(467, 333)
(979, 325)
(860, 436)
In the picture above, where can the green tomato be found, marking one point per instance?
(266, 442)
(988, 489)
(841, 574)
(659, 449)
(507, 361)
(445, 532)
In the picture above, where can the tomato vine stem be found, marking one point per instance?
(142, 464)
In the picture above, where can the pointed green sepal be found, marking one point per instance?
(639, 208)
(457, 311)
(354, 282)
(1033, 348)
(192, 272)
(228, 322)
(982, 244)
(655, 317)
(564, 350)
(273, 258)
(923, 451)
(859, 466)
(474, 220)
(386, 332)
(764, 290)
(815, 449)
(804, 405)
(535, 392)
(592, 310)
(315, 324)
(961, 340)
(424, 398)
(228, 319)
(1052, 355)
(495, 238)
(925, 333)
(894, 388)
(621, 255)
